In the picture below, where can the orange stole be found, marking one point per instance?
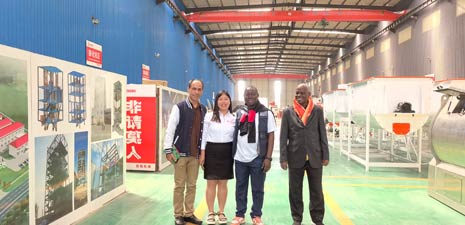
(302, 112)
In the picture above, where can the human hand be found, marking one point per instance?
(169, 157)
(284, 165)
(266, 165)
(202, 158)
(325, 162)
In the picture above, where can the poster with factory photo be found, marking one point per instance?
(14, 149)
(53, 177)
(107, 166)
(168, 97)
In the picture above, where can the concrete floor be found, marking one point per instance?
(353, 196)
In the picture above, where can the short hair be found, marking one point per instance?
(251, 87)
(192, 81)
(306, 87)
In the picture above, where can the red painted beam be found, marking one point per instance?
(271, 76)
(328, 15)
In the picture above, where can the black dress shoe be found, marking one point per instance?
(193, 219)
(179, 220)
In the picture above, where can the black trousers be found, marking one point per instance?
(317, 204)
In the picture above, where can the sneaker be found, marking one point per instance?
(238, 220)
(211, 218)
(257, 221)
(222, 219)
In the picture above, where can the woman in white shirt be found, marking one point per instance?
(216, 155)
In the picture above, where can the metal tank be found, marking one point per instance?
(447, 169)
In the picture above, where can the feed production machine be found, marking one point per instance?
(446, 173)
(386, 115)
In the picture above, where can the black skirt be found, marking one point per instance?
(218, 161)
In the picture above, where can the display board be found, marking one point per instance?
(167, 98)
(141, 127)
(14, 129)
(62, 138)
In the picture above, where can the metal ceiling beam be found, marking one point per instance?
(271, 76)
(228, 63)
(277, 66)
(218, 32)
(273, 58)
(277, 71)
(306, 5)
(260, 54)
(274, 61)
(348, 15)
(211, 39)
(274, 51)
(277, 43)
(262, 70)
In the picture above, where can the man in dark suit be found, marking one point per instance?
(304, 148)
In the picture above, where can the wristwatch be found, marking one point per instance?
(269, 158)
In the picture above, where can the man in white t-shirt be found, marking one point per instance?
(252, 150)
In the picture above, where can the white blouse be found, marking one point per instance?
(218, 132)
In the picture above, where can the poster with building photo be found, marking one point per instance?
(80, 169)
(107, 166)
(168, 97)
(101, 105)
(69, 103)
(106, 106)
(45, 132)
(14, 159)
(53, 177)
(59, 96)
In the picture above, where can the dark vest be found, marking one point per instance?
(182, 135)
(262, 132)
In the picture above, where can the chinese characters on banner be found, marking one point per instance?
(140, 129)
(145, 72)
(93, 54)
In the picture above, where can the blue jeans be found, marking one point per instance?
(257, 176)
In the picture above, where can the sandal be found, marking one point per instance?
(211, 218)
(222, 219)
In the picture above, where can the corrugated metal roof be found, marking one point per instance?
(4, 122)
(269, 43)
(10, 129)
(20, 141)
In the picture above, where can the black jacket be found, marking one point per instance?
(297, 140)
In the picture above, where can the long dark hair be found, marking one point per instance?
(216, 108)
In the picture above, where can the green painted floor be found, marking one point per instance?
(353, 196)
